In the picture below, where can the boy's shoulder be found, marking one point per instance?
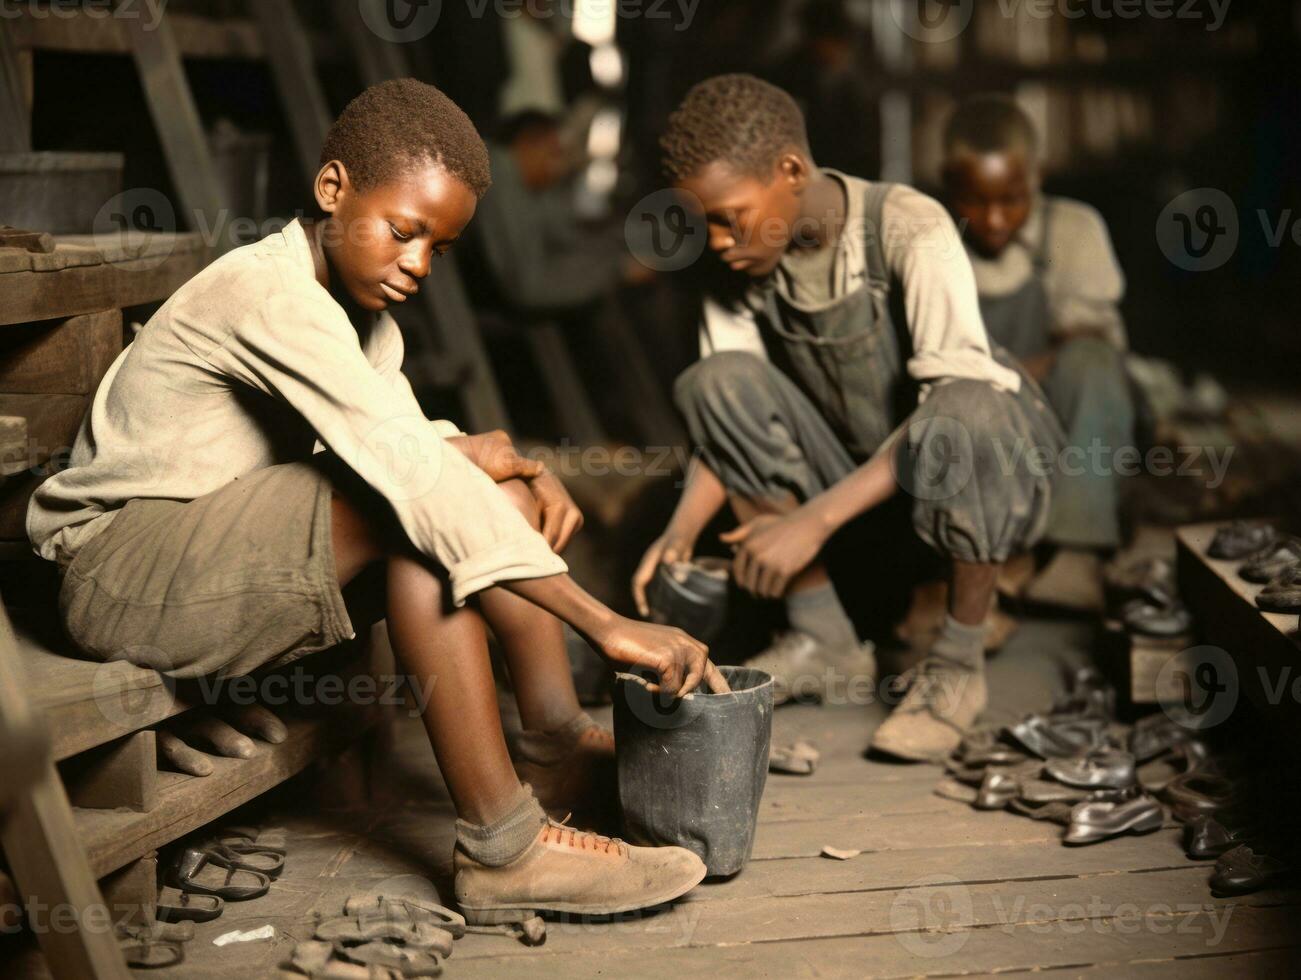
(1072, 220)
(247, 275)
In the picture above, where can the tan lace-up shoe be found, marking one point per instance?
(571, 770)
(804, 669)
(574, 871)
(943, 701)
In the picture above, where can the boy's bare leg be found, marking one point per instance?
(447, 653)
(533, 643)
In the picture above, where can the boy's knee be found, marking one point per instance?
(522, 497)
(722, 377)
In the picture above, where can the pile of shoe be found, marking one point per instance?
(381, 937)
(1072, 765)
(234, 865)
(1269, 558)
(1143, 595)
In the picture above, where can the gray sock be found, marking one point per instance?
(961, 643)
(818, 613)
(505, 839)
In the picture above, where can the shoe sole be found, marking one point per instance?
(504, 915)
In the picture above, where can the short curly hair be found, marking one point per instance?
(739, 120)
(397, 125)
(990, 123)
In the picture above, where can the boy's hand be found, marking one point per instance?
(771, 550)
(681, 662)
(496, 455)
(561, 518)
(668, 547)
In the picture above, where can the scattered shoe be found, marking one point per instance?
(1103, 769)
(797, 759)
(1242, 870)
(1270, 563)
(804, 669)
(1152, 579)
(1209, 835)
(1156, 735)
(1170, 619)
(196, 871)
(1199, 792)
(577, 872)
(1283, 593)
(943, 701)
(1058, 737)
(1240, 539)
(175, 905)
(1095, 820)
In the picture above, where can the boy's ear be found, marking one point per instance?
(795, 170)
(331, 184)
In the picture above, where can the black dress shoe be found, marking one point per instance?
(1240, 539)
(1277, 558)
(1283, 594)
(1198, 792)
(1051, 737)
(999, 788)
(1100, 820)
(1242, 871)
(1209, 835)
(1156, 735)
(1109, 768)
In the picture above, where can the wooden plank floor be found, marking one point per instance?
(940, 890)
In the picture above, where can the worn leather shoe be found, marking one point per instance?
(1240, 539)
(1210, 835)
(1107, 768)
(1283, 593)
(1277, 558)
(574, 871)
(942, 703)
(1242, 870)
(1095, 821)
(1051, 737)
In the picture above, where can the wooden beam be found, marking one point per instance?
(176, 118)
(123, 774)
(293, 68)
(43, 848)
(15, 116)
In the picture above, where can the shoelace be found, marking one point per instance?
(557, 829)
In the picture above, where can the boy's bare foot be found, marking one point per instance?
(568, 870)
(571, 769)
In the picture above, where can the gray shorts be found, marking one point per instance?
(237, 579)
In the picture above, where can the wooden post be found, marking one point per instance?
(171, 104)
(289, 52)
(15, 119)
(41, 842)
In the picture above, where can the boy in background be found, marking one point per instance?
(1050, 289)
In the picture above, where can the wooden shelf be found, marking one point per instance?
(114, 838)
(1265, 646)
(83, 275)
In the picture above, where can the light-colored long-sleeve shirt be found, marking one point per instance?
(923, 252)
(248, 365)
(1082, 277)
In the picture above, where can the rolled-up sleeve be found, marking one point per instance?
(301, 351)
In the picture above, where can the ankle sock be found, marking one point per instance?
(506, 838)
(818, 613)
(961, 643)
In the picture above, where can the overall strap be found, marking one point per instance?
(878, 272)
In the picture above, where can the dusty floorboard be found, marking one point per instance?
(940, 889)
